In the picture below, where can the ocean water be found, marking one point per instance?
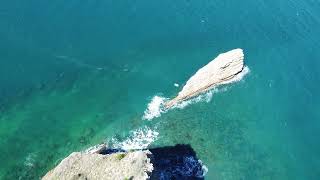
(77, 73)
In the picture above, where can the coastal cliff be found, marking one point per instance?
(219, 71)
(95, 165)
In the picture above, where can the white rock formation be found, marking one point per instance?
(93, 166)
(219, 71)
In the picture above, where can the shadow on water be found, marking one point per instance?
(176, 162)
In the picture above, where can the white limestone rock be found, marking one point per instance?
(219, 71)
(93, 166)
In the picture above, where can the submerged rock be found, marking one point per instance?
(219, 71)
(92, 165)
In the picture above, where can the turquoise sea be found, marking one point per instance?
(77, 73)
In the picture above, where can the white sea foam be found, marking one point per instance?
(200, 98)
(30, 160)
(204, 168)
(155, 108)
(191, 166)
(138, 139)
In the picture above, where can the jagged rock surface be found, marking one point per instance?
(219, 71)
(94, 166)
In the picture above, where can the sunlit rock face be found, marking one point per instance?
(220, 70)
(94, 165)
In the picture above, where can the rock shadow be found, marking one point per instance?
(176, 162)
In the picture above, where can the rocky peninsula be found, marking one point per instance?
(220, 70)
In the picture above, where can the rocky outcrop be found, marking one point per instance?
(219, 71)
(168, 162)
(94, 166)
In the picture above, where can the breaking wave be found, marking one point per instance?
(204, 97)
(155, 108)
(192, 165)
(138, 139)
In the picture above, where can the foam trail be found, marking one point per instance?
(78, 63)
(138, 139)
(156, 106)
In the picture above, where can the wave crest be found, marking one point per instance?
(155, 108)
(138, 139)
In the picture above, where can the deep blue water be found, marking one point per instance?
(75, 73)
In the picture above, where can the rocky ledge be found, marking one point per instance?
(96, 164)
(219, 71)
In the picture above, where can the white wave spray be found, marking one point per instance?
(155, 108)
(138, 139)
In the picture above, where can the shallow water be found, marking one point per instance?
(74, 74)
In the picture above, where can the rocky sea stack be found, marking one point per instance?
(219, 71)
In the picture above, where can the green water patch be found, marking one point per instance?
(51, 123)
